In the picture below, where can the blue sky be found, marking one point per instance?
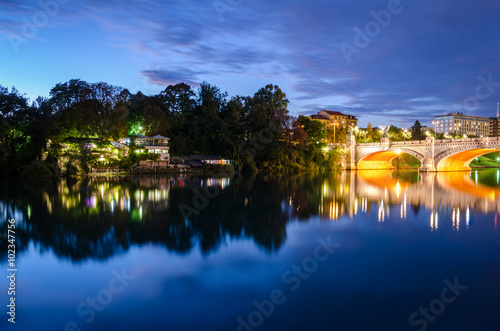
(387, 62)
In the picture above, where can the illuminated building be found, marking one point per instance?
(335, 118)
(154, 144)
(462, 124)
(494, 123)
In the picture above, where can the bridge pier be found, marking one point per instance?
(350, 160)
(428, 164)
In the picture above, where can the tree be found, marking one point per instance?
(394, 133)
(177, 98)
(204, 122)
(416, 131)
(155, 121)
(315, 129)
(369, 132)
(232, 133)
(267, 106)
(266, 117)
(91, 109)
(14, 111)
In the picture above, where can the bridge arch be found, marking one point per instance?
(459, 159)
(382, 159)
(434, 155)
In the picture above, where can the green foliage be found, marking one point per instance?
(369, 132)
(134, 158)
(254, 131)
(487, 160)
(37, 169)
(135, 128)
(92, 109)
(403, 161)
(316, 131)
(395, 134)
(416, 131)
(218, 168)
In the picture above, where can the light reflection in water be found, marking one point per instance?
(455, 216)
(467, 217)
(153, 202)
(434, 220)
(381, 212)
(335, 196)
(403, 208)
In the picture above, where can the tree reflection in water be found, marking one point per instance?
(99, 218)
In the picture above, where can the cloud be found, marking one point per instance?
(164, 78)
(426, 60)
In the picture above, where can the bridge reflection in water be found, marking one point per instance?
(100, 217)
(457, 191)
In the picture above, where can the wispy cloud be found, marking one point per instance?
(428, 58)
(170, 77)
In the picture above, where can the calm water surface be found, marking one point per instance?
(355, 251)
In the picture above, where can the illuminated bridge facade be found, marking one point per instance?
(434, 155)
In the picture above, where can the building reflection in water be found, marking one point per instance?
(99, 217)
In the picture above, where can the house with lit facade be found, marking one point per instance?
(150, 144)
(335, 119)
(462, 124)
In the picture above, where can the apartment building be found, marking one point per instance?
(462, 124)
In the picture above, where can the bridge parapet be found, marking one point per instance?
(429, 152)
(409, 142)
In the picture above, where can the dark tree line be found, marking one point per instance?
(254, 131)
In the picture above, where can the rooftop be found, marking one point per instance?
(460, 114)
(337, 113)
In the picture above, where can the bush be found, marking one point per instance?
(218, 168)
(249, 164)
(37, 169)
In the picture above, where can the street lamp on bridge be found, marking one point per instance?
(334, 129)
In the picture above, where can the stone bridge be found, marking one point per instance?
(434, 155)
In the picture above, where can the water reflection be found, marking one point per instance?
(99, 218)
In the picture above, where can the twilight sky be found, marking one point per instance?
(388, 62)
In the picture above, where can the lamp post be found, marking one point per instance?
(334, 128)
(382, 127)
(405, 130)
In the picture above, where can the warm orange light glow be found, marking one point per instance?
(377, 160)
(460, 161)
(460, 181)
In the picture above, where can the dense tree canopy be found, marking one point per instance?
(91, 109)
(254, 131)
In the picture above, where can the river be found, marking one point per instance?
(366, 250)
